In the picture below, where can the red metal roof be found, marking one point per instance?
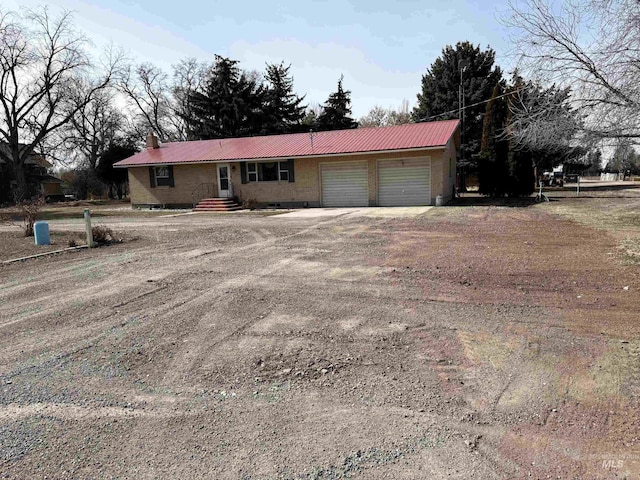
(360, 140)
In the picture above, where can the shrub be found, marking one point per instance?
(29, 210)
(103, 235)
(250, 204)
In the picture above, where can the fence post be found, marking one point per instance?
(87, 226)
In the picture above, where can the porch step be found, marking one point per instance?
(217, 205)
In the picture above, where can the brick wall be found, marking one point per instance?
(186, 177)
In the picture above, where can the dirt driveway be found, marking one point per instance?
(465, 342)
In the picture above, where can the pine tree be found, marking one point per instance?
(493, 169)
(336, 111)
(439, 97)
(521, 163)
(114, 178)
(283, 109)
(229, 105)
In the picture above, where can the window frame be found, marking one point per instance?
(162, 180)
(253, 171)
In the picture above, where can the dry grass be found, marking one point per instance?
(630, 249)
(618, 217)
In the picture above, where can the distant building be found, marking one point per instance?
(39, 180)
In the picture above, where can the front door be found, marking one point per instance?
(224, 183)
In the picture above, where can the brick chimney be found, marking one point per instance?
(152, 141)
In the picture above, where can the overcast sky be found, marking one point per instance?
(381, 47)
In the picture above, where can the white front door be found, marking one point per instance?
(224, 181)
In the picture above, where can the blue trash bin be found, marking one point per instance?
(41, 233)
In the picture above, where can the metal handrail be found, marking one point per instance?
(204, 190)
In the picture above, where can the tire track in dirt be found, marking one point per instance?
(163, 407)
(203, 329)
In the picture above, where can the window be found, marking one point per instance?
(163, 176)
(267, 171)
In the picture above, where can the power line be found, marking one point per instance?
(469, 106)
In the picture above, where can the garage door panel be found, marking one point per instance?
(404, 182)
(345, 185)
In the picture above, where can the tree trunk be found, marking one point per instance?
(21, 190)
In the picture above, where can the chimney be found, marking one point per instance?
(152, 141)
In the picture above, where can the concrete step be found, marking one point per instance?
(216, 200)
(216, 209)
(217, 205)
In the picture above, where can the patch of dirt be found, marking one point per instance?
(16, 245)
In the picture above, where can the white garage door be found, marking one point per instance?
(404, 182)
(344, 184)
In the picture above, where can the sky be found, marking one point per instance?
(381, 47)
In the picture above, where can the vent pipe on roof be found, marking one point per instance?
(152, 141)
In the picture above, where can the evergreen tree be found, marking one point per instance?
(521, 173)
(114, 178)
(336, 111)
(520, 160)
(283, 109)
(229, 105)
(625, 159)
(439, 98)
(493, 169)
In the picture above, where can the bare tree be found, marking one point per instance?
(592, 47)
(377, 117)
(380, 117)
(92, 129)
(147, 89)
(162, 103)
(541, 119)
(47, 77)
(188, 77)
(400, 116)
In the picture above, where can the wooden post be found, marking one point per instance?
(578, 187)
(87, 225)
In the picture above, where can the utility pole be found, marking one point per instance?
(462, 64)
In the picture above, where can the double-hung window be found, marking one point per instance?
(162, 176)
